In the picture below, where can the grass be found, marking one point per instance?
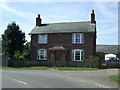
(26, 68)
(115, 78)
(44, 68)
(73, 68)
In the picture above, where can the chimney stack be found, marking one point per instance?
(38, 20)
(93, 17)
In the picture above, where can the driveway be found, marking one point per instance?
(57, 79)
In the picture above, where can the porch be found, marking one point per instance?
(57, 54)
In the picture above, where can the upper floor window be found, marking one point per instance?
(78, 38)
(42, 38)
(42, 54)
(77, 55)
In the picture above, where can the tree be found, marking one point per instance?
(25, 55)
(27, 51)
(13, 40)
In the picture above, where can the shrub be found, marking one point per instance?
(93, 61)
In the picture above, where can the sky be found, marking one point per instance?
(25, 13)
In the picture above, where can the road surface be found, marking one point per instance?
(57, 79)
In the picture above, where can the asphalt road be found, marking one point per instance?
(57, 79)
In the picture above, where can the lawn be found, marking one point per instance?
(45, 68)
(115, 78)
(26, 68)
(75, 68)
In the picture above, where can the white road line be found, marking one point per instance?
(101, 86)
(21, 81)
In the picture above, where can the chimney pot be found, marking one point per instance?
(38, 20)
(93, 17)
(38, 15)
(92, 11)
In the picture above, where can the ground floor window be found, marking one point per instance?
(42, 54)
(77, 55)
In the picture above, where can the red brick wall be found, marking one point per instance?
(65, 40)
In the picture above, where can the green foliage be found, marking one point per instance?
(25, 54)
(18, 56)
(13, 40)
(93, 60)
(26, 51)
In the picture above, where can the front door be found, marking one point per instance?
(59, 58)
(58, 55)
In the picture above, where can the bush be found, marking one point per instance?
(18, 56)
(23, 55)
(93, 61)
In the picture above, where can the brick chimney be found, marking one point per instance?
(93, 17)
(38, 20)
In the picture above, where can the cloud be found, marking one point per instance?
(107, 23)
(108, 36)
(107, 40)
(109, 32)
(106, 15)
(60, 0)
(11, 10)
(19, 13)
(107, 12)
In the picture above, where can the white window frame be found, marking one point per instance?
(45, 41)
(81, 38)
(81, 56)
(39, 54)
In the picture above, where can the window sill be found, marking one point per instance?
(42, 43)
(77, 60)
(78, 43)
(42, 59)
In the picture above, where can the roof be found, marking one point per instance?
(85, 26)
(108, 48)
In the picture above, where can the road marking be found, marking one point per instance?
(20, 81)
(101, 86)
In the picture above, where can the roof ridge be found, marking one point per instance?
(106, 45)
(68, 22)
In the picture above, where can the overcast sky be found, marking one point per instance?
(24, 14)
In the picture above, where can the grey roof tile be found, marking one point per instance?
(85, 26)
(108, 48)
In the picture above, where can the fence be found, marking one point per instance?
(3, 60)
(21, 63)
(107, 64)
(113, 63)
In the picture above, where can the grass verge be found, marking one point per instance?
(115, 78)
(26, 68)
(44, 68)
(73, 68)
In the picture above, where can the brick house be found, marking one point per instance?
(63, 42)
